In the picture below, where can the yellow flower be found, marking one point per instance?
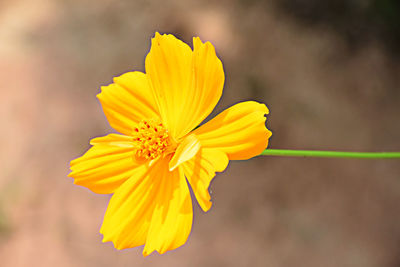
(149, 168)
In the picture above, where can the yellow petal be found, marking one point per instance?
(173, 214)
(239, 131)
(153, 208)
(201, 169)
(127, 219)
(185, 151)
(113, 140)
(128, 101)
(184, 80)
(207, 88)
(106, 165)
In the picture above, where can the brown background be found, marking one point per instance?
(329, 74)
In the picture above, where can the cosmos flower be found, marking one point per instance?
(160, 153)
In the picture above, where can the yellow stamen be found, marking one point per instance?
(150, 139)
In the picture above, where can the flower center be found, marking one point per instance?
(151, 139)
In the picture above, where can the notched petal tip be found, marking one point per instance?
(103, 88)
(268, 132)
(266, 110)
(146, 253)
(257, 106)
(206, 206)
(158, 38)
(116, 246)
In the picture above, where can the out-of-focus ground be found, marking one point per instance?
(330, 79)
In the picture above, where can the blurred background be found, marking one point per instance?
(328, 70)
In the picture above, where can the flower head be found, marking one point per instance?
(149, 166)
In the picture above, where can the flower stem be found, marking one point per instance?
(330, 154)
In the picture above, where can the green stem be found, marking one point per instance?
(330, 154)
